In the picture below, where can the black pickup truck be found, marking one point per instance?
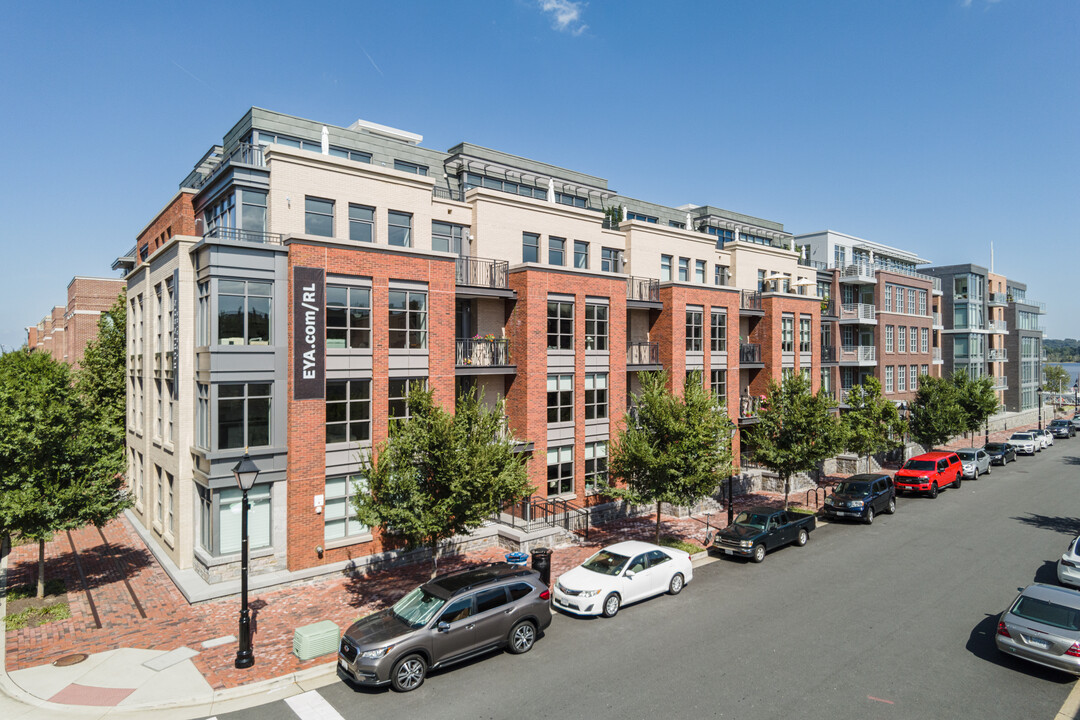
(760, 529)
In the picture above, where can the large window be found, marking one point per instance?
(473, 180)
(560, 398)
(253, 211)
(348, 411)
(913, 379)
(699, 271)
(410, 167)
(399, 389)
(889, 330)
(530, 247)
(631, 215)
(718, 384)
(408, 319)
(684, 269)
(446, 237)
(556, 251)
(560, 466)
(573, 200)
(911, 301)
(610, 260)
(202, 416)
(244, 312)
(348, 317)
(901, 378)
(913, 344)
(581, 254)
(787, 334)
(595, 465)
(560, 325)
(723, 236)
(804, 334)
(888, 297)
(361, 223)
(694, 329)
(888, 378)
(340, 521)
(596, 396)
(222, 214)
(925, 333)
(319, 217)
(901, 339)
(228, 516)
(243, 415)
(665, 268)
(596, 326)
(718, 331)
(399, 228)
(922, 302)
(202, 314)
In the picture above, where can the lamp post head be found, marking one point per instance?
(245, 472)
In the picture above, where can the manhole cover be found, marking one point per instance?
(70, 660)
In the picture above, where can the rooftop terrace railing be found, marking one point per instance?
(248, 236)
(245, 153)
(482, 272)
(642, 288)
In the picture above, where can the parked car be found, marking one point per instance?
(1047, 436)
(1000, 453)
(1062, 428)
(620, 574)
(1075, 421)
(760, 529)
(973, 462)
(929, 473)
(454, 617)
(1043, 626)
(1025, 443)
(862, 497)
(1068, 566)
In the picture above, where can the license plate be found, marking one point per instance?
(1036, 642)
(727, 551)
(342, 664)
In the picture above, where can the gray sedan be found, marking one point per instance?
(1043, 626)
(974, 462)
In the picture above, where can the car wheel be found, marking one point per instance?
(676, 585)
(759, 553)
(957, 481)
(933, 490)
(989, 469)
(611, 605)
(869, 517)
(408, 673)
(522, 638)
(891, 507)
(801, 538)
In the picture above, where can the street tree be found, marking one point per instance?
(977, 400)
(1056, 379)
(872, 423)
(796, 430)
(675, 449)
(936, 415)
(441, 473)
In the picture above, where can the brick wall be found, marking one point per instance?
(176, 218)
(87, 299)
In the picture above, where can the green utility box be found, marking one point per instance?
(311, 641)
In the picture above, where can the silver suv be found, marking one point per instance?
(451, 618)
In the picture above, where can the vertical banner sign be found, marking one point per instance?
(309, 333)
(176, 332)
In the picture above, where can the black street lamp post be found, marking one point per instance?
(245, 473)
(1076, 396)
(1040, 391)
(730, 482)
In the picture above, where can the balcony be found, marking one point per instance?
(828, 308)
(487, 278)
(244, 153)
(829, 355)
(750, 355)
(247, 236)
(750, 303)
(937, 355)
(996, 299)
(997, 355)
(643, 356)
(749, 408)
(860, 313)
(642, 292)
(997, 326)
(937, 320)
(442, 193)
(1001, 383)
(858, 273)
(482, 354)
(937, 286)
(858, 354)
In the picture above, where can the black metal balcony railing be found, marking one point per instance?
(246, 153)
(481, 272)
(448, 193)
(250, 236)
(639, 288)
(750, 300)
(749, 353)
(828, 354)
(828, 308)
(643, 353)
(481, 352)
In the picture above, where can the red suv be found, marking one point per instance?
(929, 472)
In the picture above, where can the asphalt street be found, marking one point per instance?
(892, 620)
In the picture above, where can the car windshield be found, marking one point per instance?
(853, 488)
(920, 465)
(753, 520)
(1022, 436)
(966, 454)
(1047, 613)
(1060, 423)
(417, 608)
(605, 563)
(994, 447)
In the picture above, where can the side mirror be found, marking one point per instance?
(443, 627)
(630, 574)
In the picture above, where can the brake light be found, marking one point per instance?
(546, 595)
(1004, 631)
(1074, 651)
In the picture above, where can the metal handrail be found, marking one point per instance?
(749, 353)
(857, 311)
(642, 288)
(482, 272)
(448, 194)
(828, 353)
(750, 300)
(534, 512)
(246, 153)
(251, 236)
(482, 352)
(643, 353)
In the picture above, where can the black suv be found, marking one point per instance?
(862, 497)
(1062, 428)
(451, 618)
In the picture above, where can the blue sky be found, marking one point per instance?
(939, 126)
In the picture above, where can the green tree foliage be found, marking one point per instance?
(676, 450)
(796, 430)
(441, 474)
(1056, 379)
(977, 401)
(872, 423)
(936, 415)
(614, 214)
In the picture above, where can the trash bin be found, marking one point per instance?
(517, 558)
(541, 562)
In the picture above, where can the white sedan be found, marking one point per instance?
(1068, 566)
(622, 573)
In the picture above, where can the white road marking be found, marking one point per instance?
(312, 706)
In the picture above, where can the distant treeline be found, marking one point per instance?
(1067, 350)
